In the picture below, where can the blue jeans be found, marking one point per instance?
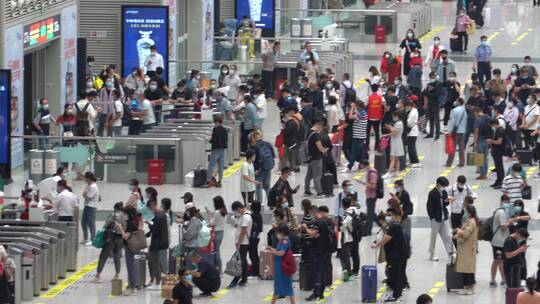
(164, 260)
(216, 156)
(217, 246)
(264, 178)
(88, 222)
(130, 266)
(482, 147)
(357, 151)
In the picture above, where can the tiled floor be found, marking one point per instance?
(511, 27)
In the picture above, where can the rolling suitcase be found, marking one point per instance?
(511, 294)
(369, 283)
(266, 265)
(199, 177)
(456, 44)
(306, 282)
(140, 268)
(380, 163)
(525, 156)
(327, 184)
(454, 280)
(336, 153)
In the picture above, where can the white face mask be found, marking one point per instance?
(89, 84)
(153, 87)
(409, 35)
(436, 42)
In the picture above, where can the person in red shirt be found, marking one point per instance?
(375, 109)
(384, 64)
(415, 59)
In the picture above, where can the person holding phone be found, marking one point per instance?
(513, 248)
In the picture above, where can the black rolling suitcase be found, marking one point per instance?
(327, 184)
(525, 156)
(380, 162)
(454, 280)
(456, 44)
(306, 280)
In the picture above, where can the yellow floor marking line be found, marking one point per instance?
(531, 171)
(74, 278)
(381, 292)
(421, 157)
(401, 175)
(332, 288)
(475, 187)
(360, 175)
(445, 173)
(431, 33)
(520, 37)
(434, 290)
(233, 169)
(220, 293)
(492, 36)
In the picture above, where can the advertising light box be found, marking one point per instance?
(260, 11)
(41, 32)
(5, 124)
(142, 27)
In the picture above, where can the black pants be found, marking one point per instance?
(468, 279)
(528, 139)
(370, 204)
(513, 275)
(254, 255)
(205, 285)
(267, 79)
(447, 108)
(345, 257)
(244, 249)
(135, 127)
(318, 273)
(536, 2)
(484, 71)
(65, 218)
(328, 270)
(396, 276)
(329, 166)
(434, 117)
(455, 221)
(376, 124)
(355, 256)
(499, 166)
(410, 142)
(248, 197)
(464, 39)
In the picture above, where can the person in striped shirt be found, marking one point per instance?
(513, 183)
(359, 116)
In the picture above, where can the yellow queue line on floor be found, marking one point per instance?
(431, 33)
(334, 286)
(492, 36)
(360, 82)
(435, 289)
(477, 185)
(230, 171)
(530, 171)
(220, 293)
(381, 292)
(74, 278)
(445, 173)
(520, 37)
(401, 175)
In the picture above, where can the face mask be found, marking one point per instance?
(90, 64)
(510, 105)
(285, 205)
(397, 82)
(388, 219)
(224, 71)
(524, 77)
(387, 56)
(530, 101)
(328, 86)
(484, 43)
(131, 187)
(507, 205)
(398, 189)
(462, 14)
(153, 53)
(109, 85)
(409, 35)
(71, 111)
(350, 189)
(89, 84)
(514, 70)
(518, 209)
(45, 107)
(189, 278)
(436, 42)
(432, 80)
(455, 104)
(452, 78)
(280, 236)
(153, 87)
(465, 216)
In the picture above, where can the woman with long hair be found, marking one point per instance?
(467, 238)
(282, 283)
(217, 221)
(91, 201)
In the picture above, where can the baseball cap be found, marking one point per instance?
(188, 196)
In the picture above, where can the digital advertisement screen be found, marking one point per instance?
(142, 27)
(41, 32)
(260, 11)
(5, 123)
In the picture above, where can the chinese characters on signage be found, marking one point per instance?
(42, 31)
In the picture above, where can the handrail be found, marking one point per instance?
(88, 138)
(336, 10)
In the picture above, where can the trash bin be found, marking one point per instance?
(52, 158)
(296, 28)
(380, 33)
(36, 165)
(307, 27)
(155, 171)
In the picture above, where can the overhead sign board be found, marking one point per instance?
(41, 32)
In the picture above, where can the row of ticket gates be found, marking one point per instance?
(43, 251)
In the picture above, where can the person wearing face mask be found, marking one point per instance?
(524, 84)
(385, 62)
(90, 84)
(511, 116)
(400, 90)
(501, 231)
(42, 121)
(497, 144)
(153, 61)
(182, 95)
(437, 204)
(462, 22)
(521, 221)
(412, 130)
(283, 286)
(269, 56)
(531, 70)
(513, 248)
(396, 145)
(194, 84)
(224, 72)
(405, 203)
(183, 291)
(375, 111)
(432, 106)
(445, 67)
(67, 120)
(233, 81)
(91, 202)
(408, 46)
(85, 113)
(148, 115)
(261, 104)
(453, 90)
(397, 250)
(347, 187)
(105, 108)
(457, 195)
(434, 53)
(244, 224)
(135, 80)
(482, 60)
(529, 121)
(467, 239)
(328, 91)
(512, 184)
(206, 277)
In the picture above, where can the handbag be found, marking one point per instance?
(288, 264)
(137, 241)
(526, 192)
(470, 159)
(384, 143)
(449, 145)
(471, 29)
(99, 239)
(234, 266)
(479, 159)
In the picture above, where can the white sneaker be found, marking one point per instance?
(433, 258)
(130, 292)
(387, 175)
(416, 165)
(96, 280)
(346, 170)
(153, 287)
(83, 242)
(88, 243)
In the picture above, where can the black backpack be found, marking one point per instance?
(126, 115)
(350, 94)
(82, 125)
(487, 228)
(360, 226)
(330, 242)
(272, 196)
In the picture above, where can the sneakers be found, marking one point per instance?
(153, 287)
(83, 242)
(130, 292)
(96, 280)
(503, 283)
(392, 299)
(242, 284)
(416, 165)
(388, 175)
(314, 297)
(88, 243)
(433, 258)
(492, 284)
(307, 193)
(345, 276)
(465, 292)
(320, 196)
(481, 177)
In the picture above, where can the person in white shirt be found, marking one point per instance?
(412, 130)
(217, 220)
(347, 238)
(262, 106)
(65, 204)
(91, 202)
(118, 112)
(241, 239)
(153, 61)
(434, 54)
(457, 194)
(531, 112)
(232, 81)
(86, 127)
(149, 119)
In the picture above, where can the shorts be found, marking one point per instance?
(497, 253)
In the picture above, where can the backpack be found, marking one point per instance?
(304, 152)
(203, 236)
(380, 185)
(408, 208)
(265, 155)
(508, 134)
(330, 243)
(487, 228)
(350, 94)
(126, 116)
(82, 124)
(272, 196)
(359, 226)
